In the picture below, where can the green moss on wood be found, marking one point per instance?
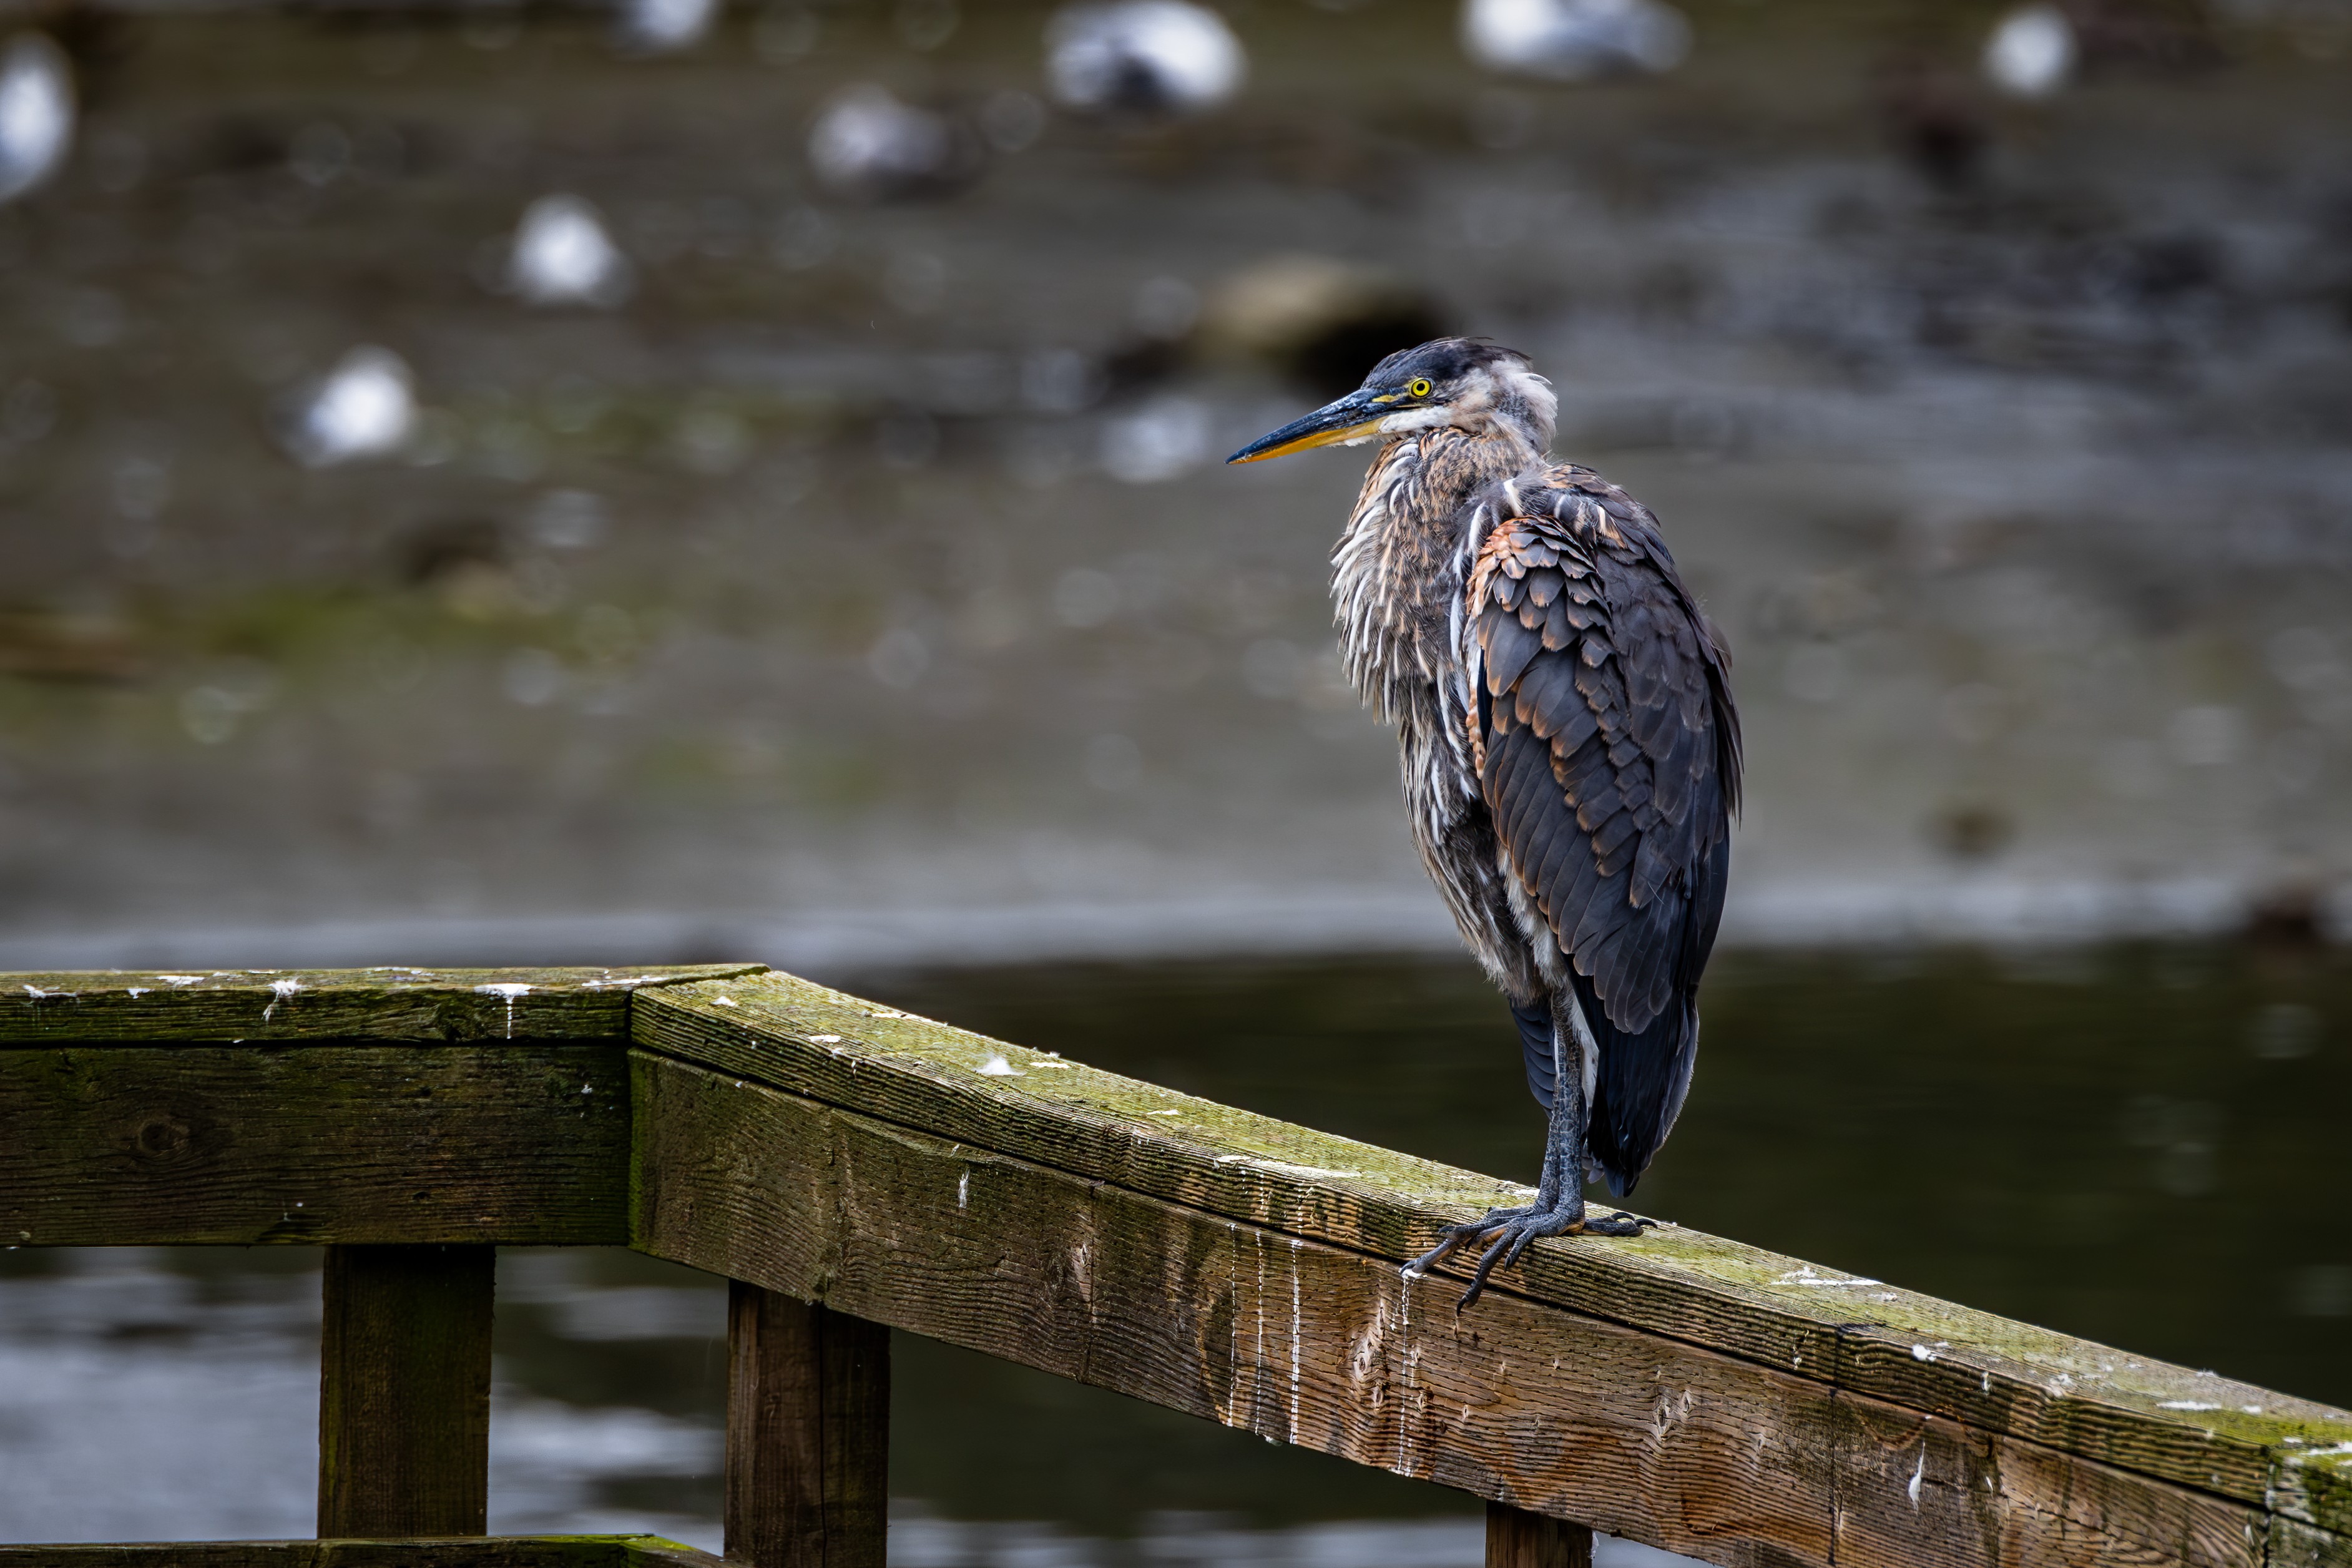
(1819, 1324)
(394, 1002)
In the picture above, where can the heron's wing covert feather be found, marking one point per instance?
(1609, 759)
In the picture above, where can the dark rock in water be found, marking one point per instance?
(1936, 120)
(1142, 59)
(1975, 831)
(2293, 914)
(1321, 322)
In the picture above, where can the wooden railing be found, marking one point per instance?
(851, 1169)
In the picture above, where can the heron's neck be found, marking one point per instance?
(1398, 570)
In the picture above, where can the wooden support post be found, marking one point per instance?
(1518, 1539)
(808, 1434)
(405, 1392)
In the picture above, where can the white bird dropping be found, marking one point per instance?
(2032, 52)
(1143, 57)
(1573, 40)
(564, 256)
(36, 113)
(363, 408)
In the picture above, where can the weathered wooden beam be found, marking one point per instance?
(1992, 1378)
(404, 1391)
(1302, 1341)
(108, 1145)
(393, 1002)
(465, 1552)
(808, 1434)
(1518, 1539)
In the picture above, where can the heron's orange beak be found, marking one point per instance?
(1355, 417)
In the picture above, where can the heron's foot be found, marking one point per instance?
(1507, 1233)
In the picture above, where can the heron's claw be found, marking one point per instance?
(1510, 1232)
(1618, 1224)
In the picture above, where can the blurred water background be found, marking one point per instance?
(470, 482)
(507, 482)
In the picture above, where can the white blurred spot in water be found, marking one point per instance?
(866, 143)
(1143, 57)
(36, 113)
(1159, 441)
(1573, 40)
(659, 27)
(563, 255)
(366, 408)
(2032, 52)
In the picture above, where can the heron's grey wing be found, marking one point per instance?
(1609, 755)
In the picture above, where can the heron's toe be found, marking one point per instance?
(1618, 1224)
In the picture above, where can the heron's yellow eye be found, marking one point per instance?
(1419, 389)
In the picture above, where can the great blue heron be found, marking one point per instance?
(1571, 755)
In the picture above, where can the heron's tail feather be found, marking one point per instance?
(1534, 1019)
(1639, 1090)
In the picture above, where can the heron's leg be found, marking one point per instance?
(1559, 1206)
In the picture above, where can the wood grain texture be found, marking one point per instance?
(1518, 1539)
(383, 1004)
(1547, 1409)
(462, 1552)
(1912, 1351)
(808, 1434)
(404, 1391)
(109, 1145)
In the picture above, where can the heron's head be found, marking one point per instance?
(1462, 384)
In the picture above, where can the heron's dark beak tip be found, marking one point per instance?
(1350, 418)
